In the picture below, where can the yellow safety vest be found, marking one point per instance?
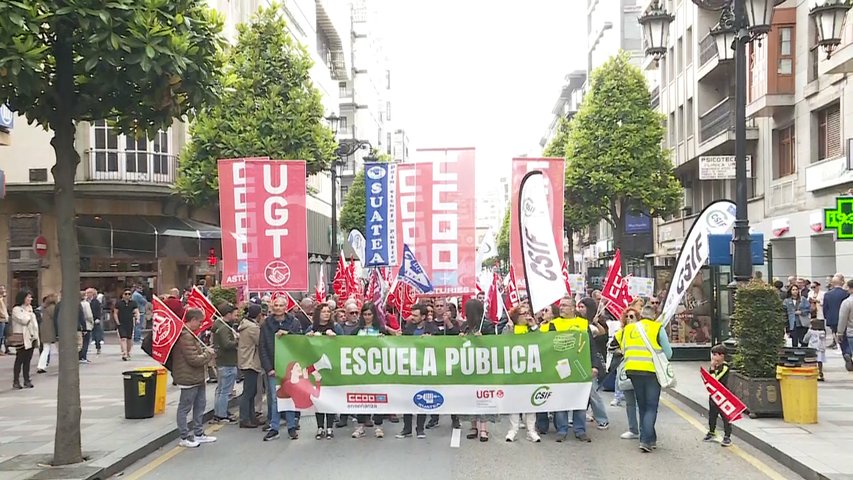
(520, 329)
(560, 324)
(637, 355)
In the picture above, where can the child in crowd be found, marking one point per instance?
(720, 371)
(816, 338)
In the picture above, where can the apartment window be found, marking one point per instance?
(689, 118)
(388, 143)
(688, 48)
(342, 89)
(136, 154)
(671, 127)
(161, 151)
(323, 46)
(106, 147)
(786, 51)
(671, 64)
(344, 191)
(680, 55)
(681, 120)
(663, 70)
(828, 132)
(814, 53)
(388, 111)
(343, 124)
(786, 152)
(388, 79)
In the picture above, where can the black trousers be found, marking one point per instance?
(247, 398)
(23, 358)
(713, 412)
(797, 337)
(434, 418)
(325, 420)
(377, 419)
(407, 423)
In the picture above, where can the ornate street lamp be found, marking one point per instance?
(724, 35)
(655, 24)
(829, 17)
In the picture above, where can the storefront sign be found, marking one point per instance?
(840, 218)
(40, 246)
(721, 167)
(493, 374)
(828, 173)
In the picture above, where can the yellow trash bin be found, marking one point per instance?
(160, 391)
(799, 393)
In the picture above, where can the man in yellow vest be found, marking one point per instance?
(640, 368)
(569, 321)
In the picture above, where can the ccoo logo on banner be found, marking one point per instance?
(380, 186)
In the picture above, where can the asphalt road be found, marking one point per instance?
(681, 453)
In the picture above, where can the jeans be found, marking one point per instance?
(647, 390)
(3, 335)
(272, 408)
(227, 378)
(247, 399)
(98, 335)
(847, 345)
(561, 422)
(631, 411)
(23, 358)
(419, 426)
(84, 349)
(137, 329)
(192, 398)
(599, 411)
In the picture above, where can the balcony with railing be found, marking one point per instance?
(709, 62)
(130, 166)
(717, 120)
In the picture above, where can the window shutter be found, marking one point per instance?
(833, 132)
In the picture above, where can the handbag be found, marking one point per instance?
(622, 380)
(663, 369)
(15, 340)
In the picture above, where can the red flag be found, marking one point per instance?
(374, 288)
(511, 288)
(730, 406)
(291, 302)
(196, 299)
(320, 289)
(354, 287)
(339, 284)
(402, 296)
(166, 327)
(616, 288)
(566, 277)
(493, 299)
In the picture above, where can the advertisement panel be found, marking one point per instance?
(494, 374)
(277, 228)
(436, 217)
(555, 180)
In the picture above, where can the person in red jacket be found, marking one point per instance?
(173, 301)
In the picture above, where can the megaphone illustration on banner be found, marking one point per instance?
(323, 364)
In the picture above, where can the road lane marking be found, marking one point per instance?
(758, 464)
(159, 461)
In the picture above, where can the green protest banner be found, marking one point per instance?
(458, 374)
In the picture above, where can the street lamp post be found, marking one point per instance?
(741, 22)
(829, 17)
(344, 150)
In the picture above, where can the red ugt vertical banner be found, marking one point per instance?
(278, 230)
(555, 175)
(436, 217)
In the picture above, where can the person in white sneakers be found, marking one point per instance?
(522, 323)
(189, 358)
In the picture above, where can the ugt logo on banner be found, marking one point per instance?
(277, 216)
(380, 182)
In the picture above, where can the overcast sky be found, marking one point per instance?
(481, 73)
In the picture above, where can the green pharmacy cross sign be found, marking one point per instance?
(840, 218)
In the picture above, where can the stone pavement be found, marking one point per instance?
(819, 451)
(110, 442)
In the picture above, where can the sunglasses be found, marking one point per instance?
(352, 313)
(655, 303)
(126, 294)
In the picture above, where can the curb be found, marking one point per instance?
(166, 438)
(792, 463)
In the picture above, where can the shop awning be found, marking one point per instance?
(144, 236)
(183, 228)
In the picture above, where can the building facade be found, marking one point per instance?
(798, 136)
(130, 226)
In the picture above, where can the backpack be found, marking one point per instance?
(147, 347)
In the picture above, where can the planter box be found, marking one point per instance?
(762, 396)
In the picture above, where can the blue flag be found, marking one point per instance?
(412, 273)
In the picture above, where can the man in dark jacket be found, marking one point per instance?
(278, 324)
(832, 304)
(225, 345)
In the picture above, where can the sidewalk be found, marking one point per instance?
(819, 451)
(110, 442)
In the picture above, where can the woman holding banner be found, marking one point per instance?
(476, 325)
(369, 324)
(323, 325)
(521, 323)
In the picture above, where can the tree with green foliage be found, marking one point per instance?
(616, 162)
(503, 236)
(353, 209)
(269, 108)
(136, 63)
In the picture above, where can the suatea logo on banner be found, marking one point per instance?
(380, 186)
(277, 233)
(356, 374)
(413, 273)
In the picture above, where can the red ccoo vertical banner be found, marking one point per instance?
(278, 225)
(233, 220)
(436, 217)
(555, 180)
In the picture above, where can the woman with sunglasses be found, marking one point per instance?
(323, 325)
(126, 313)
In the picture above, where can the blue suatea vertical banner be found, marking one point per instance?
(380, 229)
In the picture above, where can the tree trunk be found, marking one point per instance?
(67, 448)
(570, 234)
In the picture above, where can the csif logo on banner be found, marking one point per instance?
(380, 186)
